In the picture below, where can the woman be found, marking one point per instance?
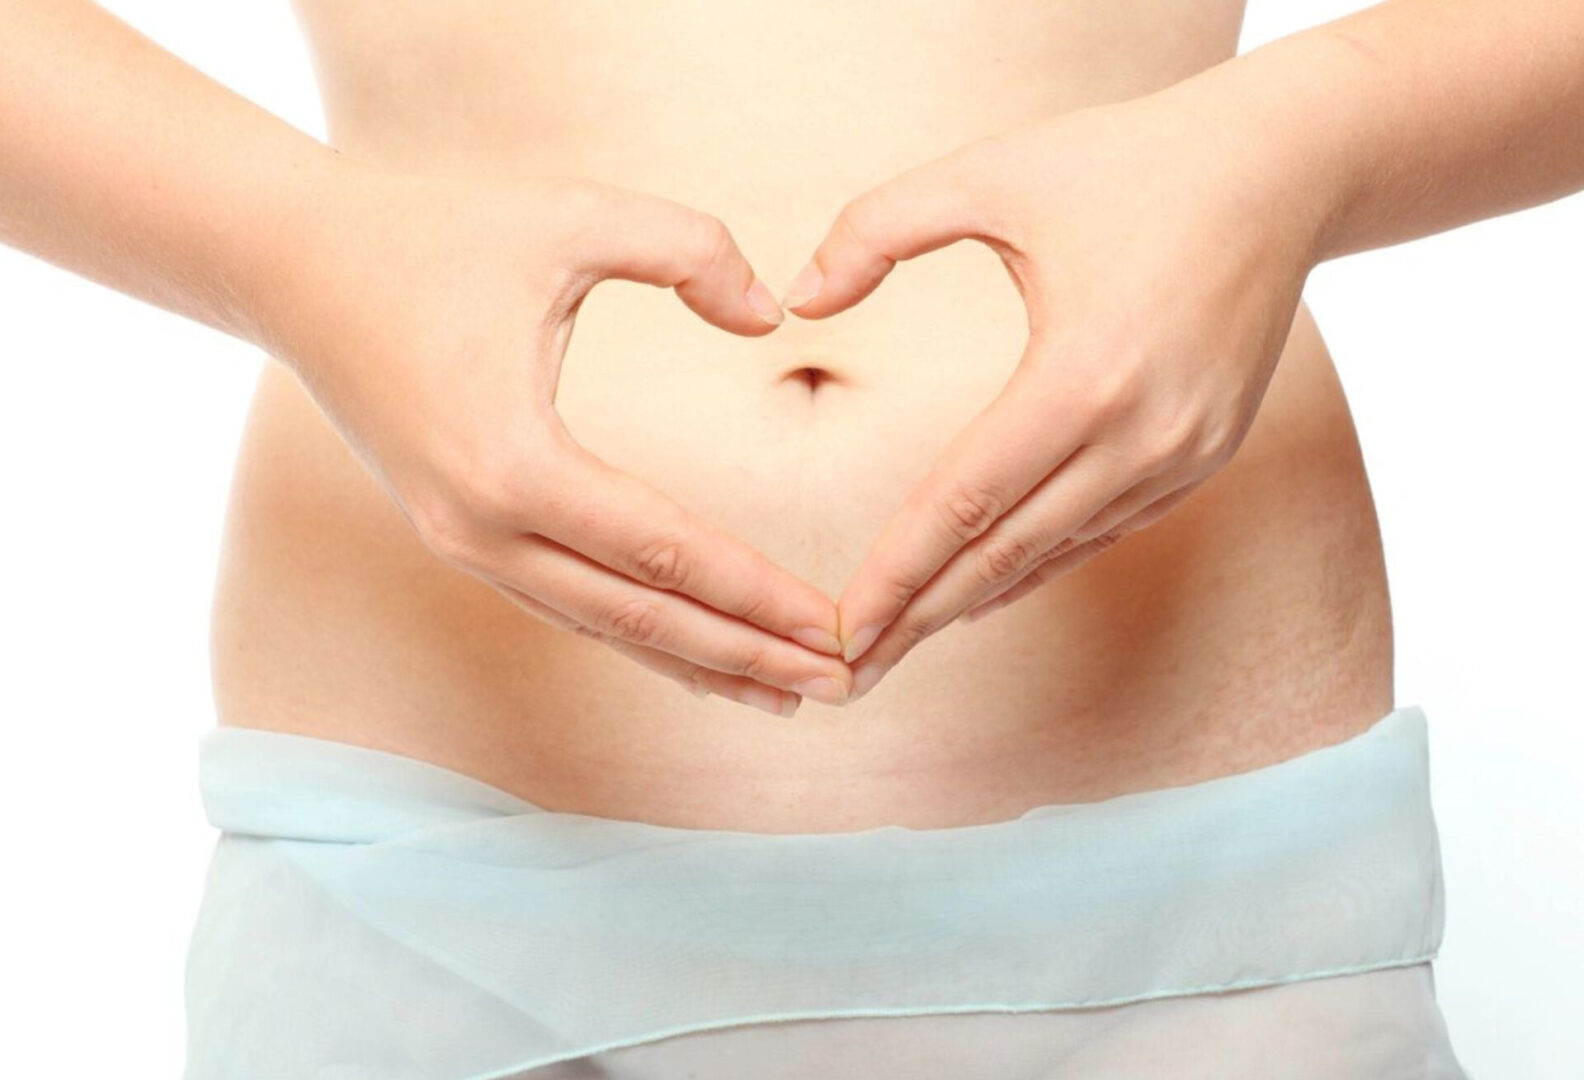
(1158, 817)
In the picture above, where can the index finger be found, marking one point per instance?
(987, 468)
(918, 211)
(621, 522)
(657, 241)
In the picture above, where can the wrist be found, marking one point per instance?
(300, 242)
(1283, 123)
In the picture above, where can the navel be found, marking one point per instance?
(812, 378)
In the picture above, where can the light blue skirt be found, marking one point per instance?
(371, 915)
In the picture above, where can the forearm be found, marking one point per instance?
(1412, 116)
(122, 163)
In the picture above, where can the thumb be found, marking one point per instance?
(925, 208)
(647, 238)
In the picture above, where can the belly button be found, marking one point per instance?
(811, 377)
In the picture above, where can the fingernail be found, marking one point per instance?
(771, 701)
(864, 680)
(763, 302)
(804, 287)
(813, 637)
(822, 688)
(860, 641)
(699, 690)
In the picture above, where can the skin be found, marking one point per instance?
(1393, 123)
(135, 216)
(477, 457)
(1411, 120)
(1109, 420)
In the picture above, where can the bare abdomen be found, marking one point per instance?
(1248, 625)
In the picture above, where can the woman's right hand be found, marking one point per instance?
(428, 317)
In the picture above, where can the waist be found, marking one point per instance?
(1249, 624)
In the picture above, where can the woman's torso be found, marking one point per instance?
(1250, 624)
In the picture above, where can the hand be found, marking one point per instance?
(428, 317)
(1161, 271)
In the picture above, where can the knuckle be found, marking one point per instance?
(1161, 451)
(1114, 393)
(753, 608)
(1217, 444)
(709, 241)
(446, 528)
(635, 621)
(970, 509)
(1029, 581)
(694, 679)
(491, 479)
(857, 216)
(493, 494)
(911, 633)
(756, 663)
(1116, 384)
(1000, 557)
(1174, 437)
(903, 586)
(660, 563)
(1066, 544)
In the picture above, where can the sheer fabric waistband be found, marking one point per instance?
(559, 935)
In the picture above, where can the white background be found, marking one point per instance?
(118, 424)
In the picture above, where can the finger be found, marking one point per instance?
(1018, 540)
(620, 522)
(1057, 516)
(1065, 558)
(654, 240)
(925, 208)
(622, 609)
(702, 681)
(984, 471)
(694, 678)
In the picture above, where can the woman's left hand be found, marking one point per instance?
(1161, 262)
